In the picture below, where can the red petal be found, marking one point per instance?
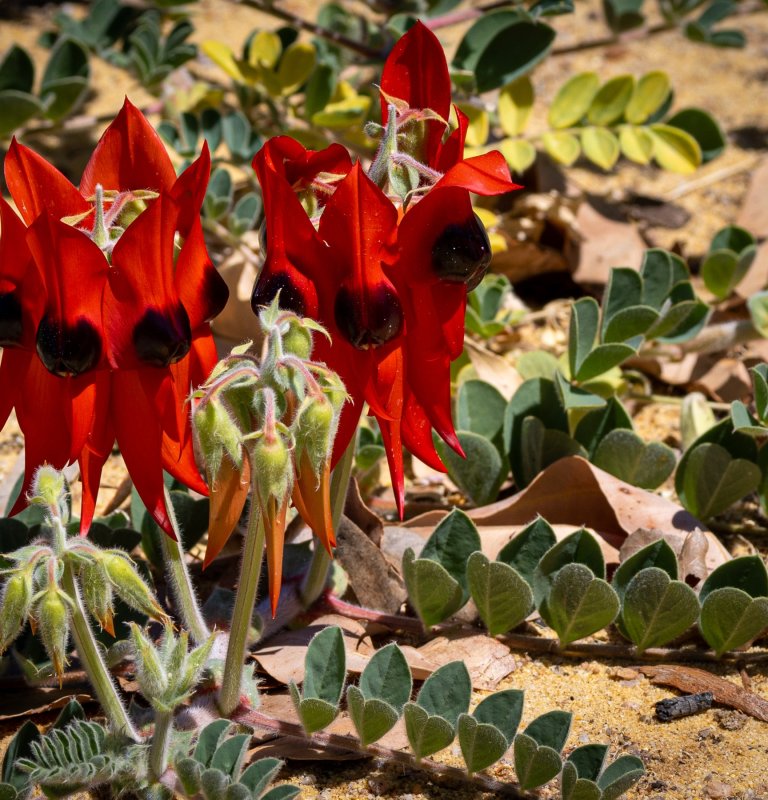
(487, 174)
(189, 190)
(140, 437)
(13, 369)
(452, 150)
(141, 292)
(416, 71)
(129, 155)
(416, 430)
(37, 186)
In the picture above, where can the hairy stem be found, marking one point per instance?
(93, 663)
(161, 739)
(181, 583)
(317, 575)
(348, 742)
(245, 599)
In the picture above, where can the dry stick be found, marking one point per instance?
(707, 180)
(541, 644)
(348, 742)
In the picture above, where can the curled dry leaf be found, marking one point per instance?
(692, 681)
(698, 552)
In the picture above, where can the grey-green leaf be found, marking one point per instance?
(325, 666)
(747, 573)
(481, 744)
(316, 714)
(432, 592)
(229, 755)
(620, 776)
(209, 739)
(480, 473)
(387, 677)
(535, 764)
(524, 552)
(426, 733)
(502, 597)
(372, 718)
(656, 554)
(624, 454)
(572, 787)
(502, 709)
(446, 692)
(260, 774)
(480, 409)
(579, 547)
(451, 544)
(730, 618)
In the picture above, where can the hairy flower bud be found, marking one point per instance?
(297, 340)
(216, 433)
(129, 585)
(314, 429)
(272, 467)
(53, 622)
(49, 488)
(151, 674)
(17, 599)
(97, 593)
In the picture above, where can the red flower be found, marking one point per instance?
(387, 275)
(106, 292)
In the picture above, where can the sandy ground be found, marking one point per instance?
(713, 755)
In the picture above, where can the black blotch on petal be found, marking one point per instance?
(10, 319)
(462, 252)
(368, 321)
(266, 288)
(162, 336)
(216, 292)
(68, 350)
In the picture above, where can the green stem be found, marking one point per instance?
(317, 575)
(161, 739)
(245, 600)
(93, 663)
(178, 576)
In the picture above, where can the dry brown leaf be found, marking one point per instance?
(605, 244)
(725, 381)
(487, 659)
(698, 552)
(493, 369)
(691, 680)
(754, 211)
(33, 701)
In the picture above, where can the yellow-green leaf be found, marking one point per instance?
(515, 104)
(343, 113)
(265, 49)
(636, 144)
(477, 132)
(563, 147)
(296, 66)
(675, 150)
(573, 100)
(611, 100)
(519, 153)
(601, 147)
(648, 97)
(222, 55)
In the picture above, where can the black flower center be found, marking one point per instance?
(266, 288)
(68, 350)
(10, 319)
(162, 336)
(462, 252)
(368, 321)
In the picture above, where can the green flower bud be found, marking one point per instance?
(14, 609)
(53, 623)
(216, 433)
(272, 467)
(48, 487)
(151, 674)
(297, 340)
(97, 593)
(129, 585)
(314, 429)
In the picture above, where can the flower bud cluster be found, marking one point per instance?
(34, 588)
(167, 673)
(276, 416)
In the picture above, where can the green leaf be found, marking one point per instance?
(561, 146)
(502, 597)
(17, 71)
(315, 714)
(524, 552)
(19, 747)
(480, 473)
(515, 105)
(209, 739)
(537, 364)
(732, 237)
(747, 573)
(573, 100)
(432, 592)
(372, 718)
(656, 609)
(675, 150)
(68, 60)
(283, 792)
(723, 270)
(757, 305)
(503, 710)
(578, 604)
(230, 754)
(610, 101)
(657, 554)
(600, 146)
(576, 398)
(245, 213)
(703, 127)
(572, 787)
(623, 15)
(218, 197)
(500, 47)
(189, 772)
(588, 760)
(18, 107)
(61, 97)
(426, 733)
(535, 765)
(325, 666)
(481, 744)
(730, 619)
(295, 67)
(595, 425)
(582, 332)
(480, 409)
(711, 480)
(624, 454)
(541, 447)
(636, 144)
(260, 774)
(648, 97)
(620, 776)
(551, 729)
(579, 547)
(451, 544)
(446, 692)
(387, 677)
(519, 154)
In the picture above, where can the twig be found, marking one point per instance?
(465, 14)
(348, 742)
(318, 30)
(707, 180)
